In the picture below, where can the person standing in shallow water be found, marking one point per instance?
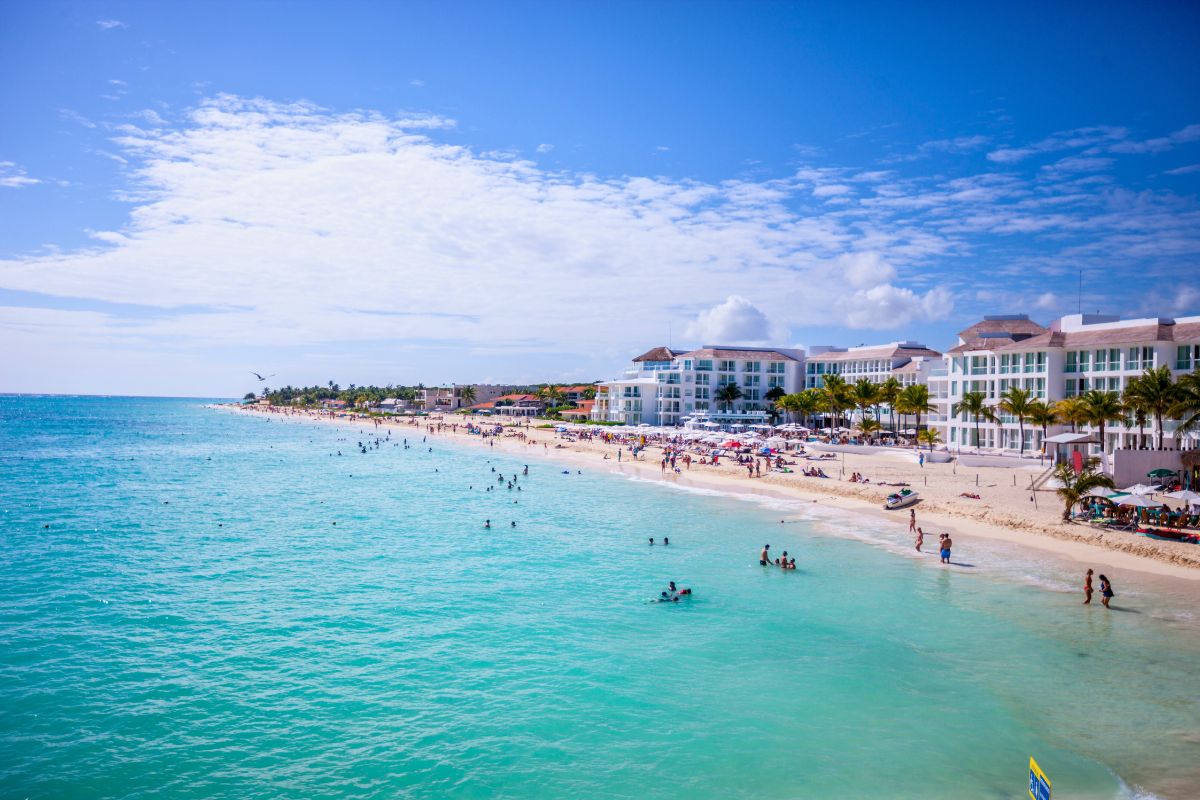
(920, 539)
(764, 558)
(1087, 588)
(1106, 590)
(946, 545)
(912, 520)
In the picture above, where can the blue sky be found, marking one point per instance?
(378, 192)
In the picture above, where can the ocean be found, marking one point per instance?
(200, 604)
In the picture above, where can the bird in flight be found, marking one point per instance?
(260, 377)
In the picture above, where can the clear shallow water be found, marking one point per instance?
(192, 624)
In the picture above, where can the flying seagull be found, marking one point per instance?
(260, 377)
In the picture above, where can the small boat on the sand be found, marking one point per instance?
(902, 498)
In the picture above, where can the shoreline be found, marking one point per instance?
(1168, 570)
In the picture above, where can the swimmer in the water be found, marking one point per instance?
(487, 523)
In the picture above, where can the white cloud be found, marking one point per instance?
(1066, 140)
(831, 190)
(865, 270)
(109, 24)
(735, 321)
(1159, 144)
(887, 306)
(13, 177)
(545, 148)
(416, 82)
(1188, 170)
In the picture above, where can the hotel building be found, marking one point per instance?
(907, 362)
(1074, 354)
(667, 387)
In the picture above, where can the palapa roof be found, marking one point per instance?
(1014, 326)
(735, 353)
(1109, 336)
(657, 354)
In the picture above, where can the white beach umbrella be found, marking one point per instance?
(1098, 492)
(1139, 502)
(1140, 488)
(1187, 495)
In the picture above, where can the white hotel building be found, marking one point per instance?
(907, 362)
(665, 387)
(1074, 354)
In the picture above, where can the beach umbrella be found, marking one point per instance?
(1140, 488)
(1104, 493)
(1160, 473)
(1139, 502)
(1187, 495)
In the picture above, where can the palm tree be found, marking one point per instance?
(1187, 402)
(773, 396)
(1072, 410)
(1102, 408)
(863, 394)
(1135, 410)
(870, 426)
(889, 392)
(727, 394)
(550, 395)
(975, 404)
(1043, 415)
(1157, 393)
(467, 395)
(915, 400)
(930, 437)
(589, 393)
(834, 391)
(807, 402)
(1073, 487)
(1016, 402)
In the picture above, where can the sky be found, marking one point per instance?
(525, 192)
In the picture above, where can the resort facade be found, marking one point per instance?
(670, 387)
(1071, 356)
(1064, 359)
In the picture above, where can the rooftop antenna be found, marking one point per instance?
(1079, 296)
(669, 342)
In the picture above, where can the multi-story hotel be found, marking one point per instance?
(450, 398)
(1074, 354)
(667, 387)
(907, 362)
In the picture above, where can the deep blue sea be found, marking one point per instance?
(200, 604)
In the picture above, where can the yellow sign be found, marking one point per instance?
(1039, 784)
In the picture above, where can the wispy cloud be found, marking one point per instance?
(545, 148)
(110, 24)
(1159, 144)
(13, 177)
(1066, 140)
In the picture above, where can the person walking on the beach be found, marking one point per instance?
(764, 558)
(1087, 588)
(1106, 591)
(912, 520)
(946, 545)
(920, 539)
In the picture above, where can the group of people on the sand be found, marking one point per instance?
(858, 477)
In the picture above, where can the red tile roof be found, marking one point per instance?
(657, 354)
(734, 353)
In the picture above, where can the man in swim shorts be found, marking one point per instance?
(946, 545)
(764, 558)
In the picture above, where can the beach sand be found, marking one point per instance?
(1003, 511)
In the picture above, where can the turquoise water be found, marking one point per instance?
(192, 624)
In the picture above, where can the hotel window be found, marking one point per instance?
(775, 368)
(1085, 357)
(1187, 355)
(1071, 364)
(1114, 359)
(751, 366)
(752, 395)
(1101, 360)
(726, 366)
(1083, 385)
(701, 406)
(774, 381)
(687, 364)
(751, 380)
(704, 365)
(1004, 364)
(703, 378)
(1030, 362)
(702, 393)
